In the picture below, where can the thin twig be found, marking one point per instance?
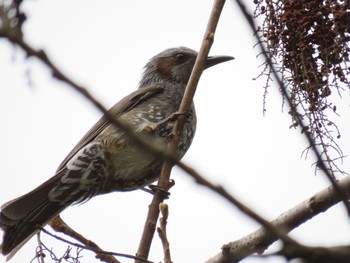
(40, 253)
(272, 230)
(91, 249)
(60, 226)
(163, 207)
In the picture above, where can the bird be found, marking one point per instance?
(106, 159)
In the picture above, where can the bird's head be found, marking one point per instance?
(175, 65)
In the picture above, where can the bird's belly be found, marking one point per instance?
(134, 168)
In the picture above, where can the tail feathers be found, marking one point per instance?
(21, 218)
(17, 233)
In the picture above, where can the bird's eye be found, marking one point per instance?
(180, 57)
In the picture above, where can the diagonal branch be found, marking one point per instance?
(60, 226)
(261, 239)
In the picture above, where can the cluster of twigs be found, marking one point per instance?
(68, 255)
(308, 42)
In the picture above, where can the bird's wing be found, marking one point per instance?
(124, 105)
(19, 206)
(20, 217)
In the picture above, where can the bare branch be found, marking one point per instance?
(60, 226)
(261, 239)
(39, 252)
(163, 182)
(162, 231)
(270, 228)
(66, 257)
(307, 254)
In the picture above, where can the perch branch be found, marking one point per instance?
(163, 183)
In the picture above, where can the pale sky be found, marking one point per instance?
(104, 45)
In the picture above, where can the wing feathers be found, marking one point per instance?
(22, 217)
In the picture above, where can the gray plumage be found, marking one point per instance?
(106, 159)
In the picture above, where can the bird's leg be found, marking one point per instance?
(173, 117)
(153, 188)
(152, 127)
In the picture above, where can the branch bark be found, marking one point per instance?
(163, 183)
(162, 232)
(261, 239)
(60, 226)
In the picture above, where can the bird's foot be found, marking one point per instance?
(174, 116)
(154, 188)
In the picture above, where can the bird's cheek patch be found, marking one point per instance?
(164, 67)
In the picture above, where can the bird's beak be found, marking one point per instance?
(213, 60)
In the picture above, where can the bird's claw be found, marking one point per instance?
(154, 188)
(174, 116)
